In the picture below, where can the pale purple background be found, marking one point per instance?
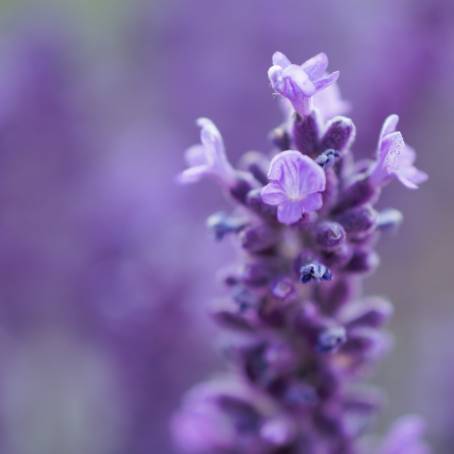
(106, 268)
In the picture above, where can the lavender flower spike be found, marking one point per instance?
(307, 334)
(208, 158)
(296, 183)
(395, 158)
(299, 83)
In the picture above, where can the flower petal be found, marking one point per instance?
(326, 81)
(210, 136)
(389, 125)
(391, 148)
(195, 155)
(192, 174)
(273, 194)
(316, 66)
(412, 177)
(312, 202)
(297, 82)
(289, 212)
(281, 60)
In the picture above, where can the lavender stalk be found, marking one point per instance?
(301, 334)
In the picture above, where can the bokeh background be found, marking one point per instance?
(106, 269)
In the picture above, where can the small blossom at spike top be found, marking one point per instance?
(301, 330)
(299, 83)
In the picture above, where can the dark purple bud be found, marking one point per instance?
(222, 224)
(256, 274)
(244, 416)
(280, 357)
(309, 322)
(389, 220)
(359, 222)
(339, 135)
(257, 238)
(373, 312)
(257, 164)
(336, 294)
(255, 203)
(331, 192)
(280, 138)
(363, 261)
(366, 341)
(314, 271)
(243, 185)
(338, 257)
(328, 158)
(230, 317)
(329, 235)
(305, 134)
(330, 339)
(283, 289)
(358, 193)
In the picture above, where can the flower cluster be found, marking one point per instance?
(302, 334)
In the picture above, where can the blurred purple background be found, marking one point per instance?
(106, 268)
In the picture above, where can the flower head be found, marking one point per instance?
(207, 158)
(395, 158)
(299, 83)
(295, 187)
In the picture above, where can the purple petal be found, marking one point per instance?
(192, 174)
(281, 60)
(412, 177)
(195, 156)
(389, 125)
(275, 78)
(273, 194)
(316, 66)
(312, 202)
(326, 81)
(297, 174)
(289, 212)
(297, 82)
(390, 150)
(313, 177)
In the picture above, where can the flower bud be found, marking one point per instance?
(359, 222)
(339, 134)
(329, 235)
(280, 138)
(257, 238)
(306, 133)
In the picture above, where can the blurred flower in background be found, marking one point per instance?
(105, 269)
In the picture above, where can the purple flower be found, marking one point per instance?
(305, 348)
(295, 187)
(395, 158)
(208, 158)
(299, 83)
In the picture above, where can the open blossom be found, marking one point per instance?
(395, 158)
(295, 187)
(299, 83)
(207, 158)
